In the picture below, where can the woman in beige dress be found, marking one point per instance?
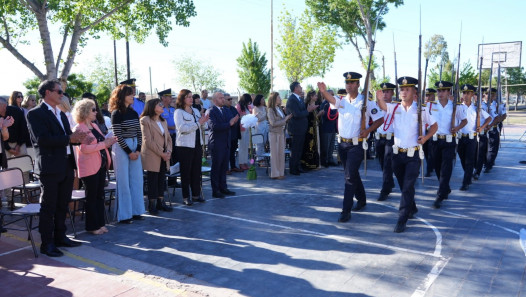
(277, 121)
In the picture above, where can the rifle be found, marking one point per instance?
(365, 94)
(479, 103)
(396, 73)
(499, 94)
(456, 87)
(419, 100)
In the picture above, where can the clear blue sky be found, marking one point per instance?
(216, 35)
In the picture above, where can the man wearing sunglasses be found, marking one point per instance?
(52, 139)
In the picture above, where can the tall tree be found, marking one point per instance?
(79, 19)
(516, 76)
(436, 49)
(356, 19)
(197, 74)
(101, 73)
(77, 85)
(254, 76)
(306, 48)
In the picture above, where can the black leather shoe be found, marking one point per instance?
(344, 217)
(383, 197)
(152, 207)
(294, 173)
(301, 170)
(188, 201)
(162, 206)
(476, 176)
(138, 218)
(50, 250)
(199, 199)
(359, 206)
(127, 221)
(438, 203)
(218, 195)
(228, 192)
(413, 213)
(332, 164)
(3, 230)
(464, 187)
(66, 242)
(400, 227)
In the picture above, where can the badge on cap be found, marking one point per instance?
(384, 87)
(440, 84)
(465, 88)
(404, 82)
(349, 76)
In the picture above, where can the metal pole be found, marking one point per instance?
(115, 61)
(383, 64)
(128, 58)
(151, 92)
(271, 46)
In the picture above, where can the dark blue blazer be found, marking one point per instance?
(219, 124)
(50, 140)
(235, 130)
(298, 124)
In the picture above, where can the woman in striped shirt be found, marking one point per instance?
(126, 155)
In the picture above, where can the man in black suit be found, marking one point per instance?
(235, 134)
(52, 139)
(297, 126)
(219, 144)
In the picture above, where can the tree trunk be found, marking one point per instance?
(51, 71)
(75, 37)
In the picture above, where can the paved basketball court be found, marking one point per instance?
(281, 238)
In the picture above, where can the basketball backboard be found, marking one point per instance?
(507, 54)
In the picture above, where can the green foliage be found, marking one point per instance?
(78, 19)
(196, 75)
(436, 48)
(468, 75)
(516, 76)
(254, 77)
(102, 75)
(77, 85)
(306, 48)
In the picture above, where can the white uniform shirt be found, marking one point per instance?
(491, 110)
(471, 113)
(387, 126)
(350, 115)
(405, 124)
(442, 115)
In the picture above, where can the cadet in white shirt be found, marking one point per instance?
(407, 144)
(444, 143)
(483, 139)
(467, 144)
(430, 166)
(494, 130)
(351, 138)
(384, 143)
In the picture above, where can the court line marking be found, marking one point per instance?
(421, 289)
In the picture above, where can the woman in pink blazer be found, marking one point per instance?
(93, 160)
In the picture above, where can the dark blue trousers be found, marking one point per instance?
(220, 158)
(493, 147)
(384, 151)
(483, 151)
(406, 170)
(351, 157)
(443, 155)
(467, 151)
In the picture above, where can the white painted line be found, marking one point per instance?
(522, 240)
(487, 223)
(431, 277)
(17, 250)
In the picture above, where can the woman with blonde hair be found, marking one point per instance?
(93, 160)
(28, 103)
(277, 121)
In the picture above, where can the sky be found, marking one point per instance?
(220, 28)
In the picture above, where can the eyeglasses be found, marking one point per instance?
(19, 96)
(160, 105)
(94, 109)
(229, 99)
(60, 92)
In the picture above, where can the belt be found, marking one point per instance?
(442, 136)
(349, 140)
(385, 135)
(467, 134)
(404, 150)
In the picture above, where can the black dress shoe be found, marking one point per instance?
(344, 217)
(66, 242)
(50, 250)
(413, 213)
(400, 227)
(464, 187)
(383, 197)
(476, 176)
(3, 230)
(332, 164)
(294, 173)
(438, 203)
(301, 170)
(428, 174)
(359, 206)
(138, 218)
(199, 199)
(188, 201)
(228, 192)
(162, 206)
(127, 221)
(218, 195)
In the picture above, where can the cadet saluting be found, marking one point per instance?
(350, 149)
(406, 161)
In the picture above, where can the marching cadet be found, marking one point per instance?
(351, 139)
(499, 110)
(483, 137)
(384, 143)
(430, 100)
(443, 145)
(406, 160)
(467, 145)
